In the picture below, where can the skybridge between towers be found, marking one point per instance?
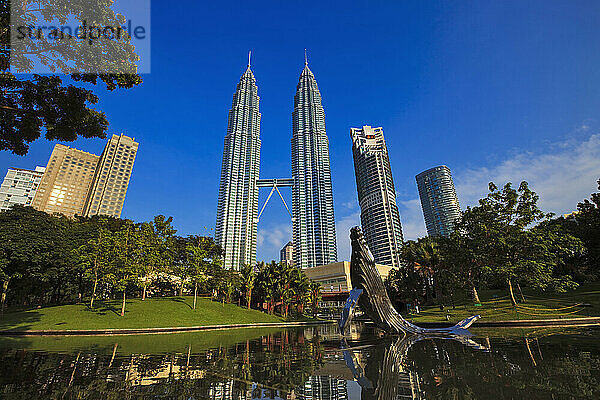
(275, 184)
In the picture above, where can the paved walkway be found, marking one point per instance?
(520, 323)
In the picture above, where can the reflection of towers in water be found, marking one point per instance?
(228, 390)
(221, 390)
(408, 386)
(323, 388)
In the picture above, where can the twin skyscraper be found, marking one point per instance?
(312, 198)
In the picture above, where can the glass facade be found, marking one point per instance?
(312, 196)
(238, 191)
(379, 215)
(438, 200)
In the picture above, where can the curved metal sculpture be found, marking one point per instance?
(392, 370)
(370, 294)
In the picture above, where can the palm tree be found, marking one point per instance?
(426, 259)
(248, 279)
(315, 296)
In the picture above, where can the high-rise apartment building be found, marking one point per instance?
(312, 197)
(238, 192)
(19, 187)
(66, 183)
(379, 215)
(286, 254)
(438, 200)
(107, 193)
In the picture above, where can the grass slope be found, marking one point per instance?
(150, 313)
(495, 306)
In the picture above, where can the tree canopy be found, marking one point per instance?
(34, 104)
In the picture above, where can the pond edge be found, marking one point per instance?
(137, 331)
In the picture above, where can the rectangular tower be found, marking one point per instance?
(379, 215)
(66, 182)
(312, 197)
(238, 191)
(286, 254)
(438, 200)
(19, 187)
(107, 193)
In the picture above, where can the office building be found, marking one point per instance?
(66, 183)
(237, 208)
(19, 187)
(286, 254)
(107, 193)
(379, 215)
(438, 200)
(335, 283)
(312, 198)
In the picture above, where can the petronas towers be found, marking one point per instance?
(312, 198)
(238, 193)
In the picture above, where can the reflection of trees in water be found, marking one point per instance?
(561, 367)
(280, 361)
(287, 365)
(513, 369)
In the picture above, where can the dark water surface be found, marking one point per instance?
(309, 363)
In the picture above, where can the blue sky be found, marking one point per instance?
(495, 90)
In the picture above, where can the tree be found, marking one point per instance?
(588, 228)
(94, 255)
(125, 271)
(463, 267)
(268, 280)
(425, 256)
(503, 244)
(315, 297)
(248, 278)
(39, 103)
(179, 261)
(32, 249)
(197, 253)
(150, 255)
(288, 280)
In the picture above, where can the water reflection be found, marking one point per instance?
(310, 364)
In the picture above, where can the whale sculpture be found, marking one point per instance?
(370, 295)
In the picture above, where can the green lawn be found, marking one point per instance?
(150, 313)
(495, 306)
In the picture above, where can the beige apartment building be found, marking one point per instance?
(66, 183)
(107, 194)
(335, 277)
(335, 282)
(81, 183)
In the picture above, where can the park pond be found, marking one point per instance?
(305, 363)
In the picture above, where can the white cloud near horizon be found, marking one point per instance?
(562, 177)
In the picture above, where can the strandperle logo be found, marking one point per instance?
(85, 31)
(80, 36)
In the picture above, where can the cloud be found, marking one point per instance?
(411, 217)
(562, 176)
(351, 205)
(342, 229)
(271, 239)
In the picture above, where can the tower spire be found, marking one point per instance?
(305, 58)
(249, 56)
